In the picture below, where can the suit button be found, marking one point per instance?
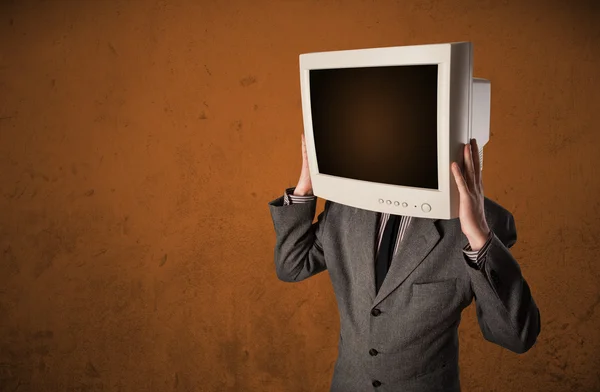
(373, 352)
(375, 312)
(376, 383)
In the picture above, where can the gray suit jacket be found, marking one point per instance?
(405, 338)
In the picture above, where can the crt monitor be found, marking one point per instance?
(382, 125)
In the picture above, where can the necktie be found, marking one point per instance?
(386, 249)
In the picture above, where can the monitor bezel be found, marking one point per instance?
(454, 62)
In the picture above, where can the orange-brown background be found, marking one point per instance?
(140, 142)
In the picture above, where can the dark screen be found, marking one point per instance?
(377, 124)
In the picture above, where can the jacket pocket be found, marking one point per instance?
(433, 305)
(439, 288)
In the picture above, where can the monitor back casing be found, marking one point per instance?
(463, 112)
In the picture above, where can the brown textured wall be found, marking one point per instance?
(140, 142)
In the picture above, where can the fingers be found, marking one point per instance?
(304, 155)
(460, 181)
(476, 162)
(469, 170)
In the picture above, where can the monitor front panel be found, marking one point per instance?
(377, 124)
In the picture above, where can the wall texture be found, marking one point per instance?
(140, 142)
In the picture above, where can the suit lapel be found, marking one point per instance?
(420, 238)
(364, 235)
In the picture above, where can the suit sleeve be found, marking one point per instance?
(476, 258)
(506, 312)
(298, 241)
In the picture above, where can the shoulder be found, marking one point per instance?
(494, 211)
(501, 222)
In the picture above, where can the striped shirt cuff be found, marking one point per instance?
(478, 256)
(290, 198)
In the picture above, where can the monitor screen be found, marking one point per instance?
(377, 124)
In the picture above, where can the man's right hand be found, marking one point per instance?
(304, 186)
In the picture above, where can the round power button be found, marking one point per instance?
(381, 200)
(425, 207)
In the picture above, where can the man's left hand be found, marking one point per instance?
(471, 209)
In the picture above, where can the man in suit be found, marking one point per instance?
(401, 283)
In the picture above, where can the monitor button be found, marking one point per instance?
(380, 200)
(425, 207)
(396, 203)
(405, 204)
(389, 202)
